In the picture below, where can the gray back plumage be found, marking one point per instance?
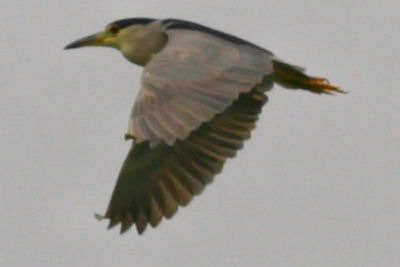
(194, 77)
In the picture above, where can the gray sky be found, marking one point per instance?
(317, 185)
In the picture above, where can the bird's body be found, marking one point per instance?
(201, 93)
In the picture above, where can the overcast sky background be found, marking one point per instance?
(317, 185)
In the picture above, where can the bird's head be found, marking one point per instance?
(136, 38)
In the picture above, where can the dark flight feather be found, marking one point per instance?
(154, 181)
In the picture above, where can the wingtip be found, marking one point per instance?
(124, 228)
(99, 217)
(112, 224)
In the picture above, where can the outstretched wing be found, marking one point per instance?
(193, 78)
(153, 182)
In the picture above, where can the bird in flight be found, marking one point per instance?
(200, 96)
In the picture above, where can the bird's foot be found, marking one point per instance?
(322, 86)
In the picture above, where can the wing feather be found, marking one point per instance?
(195, 72)
(153, 182)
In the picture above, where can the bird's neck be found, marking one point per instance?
(139, 47)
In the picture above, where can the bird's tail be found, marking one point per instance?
(293, 77)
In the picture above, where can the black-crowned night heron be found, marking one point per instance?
(201, 93)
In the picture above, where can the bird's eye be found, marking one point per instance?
(114, 29)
